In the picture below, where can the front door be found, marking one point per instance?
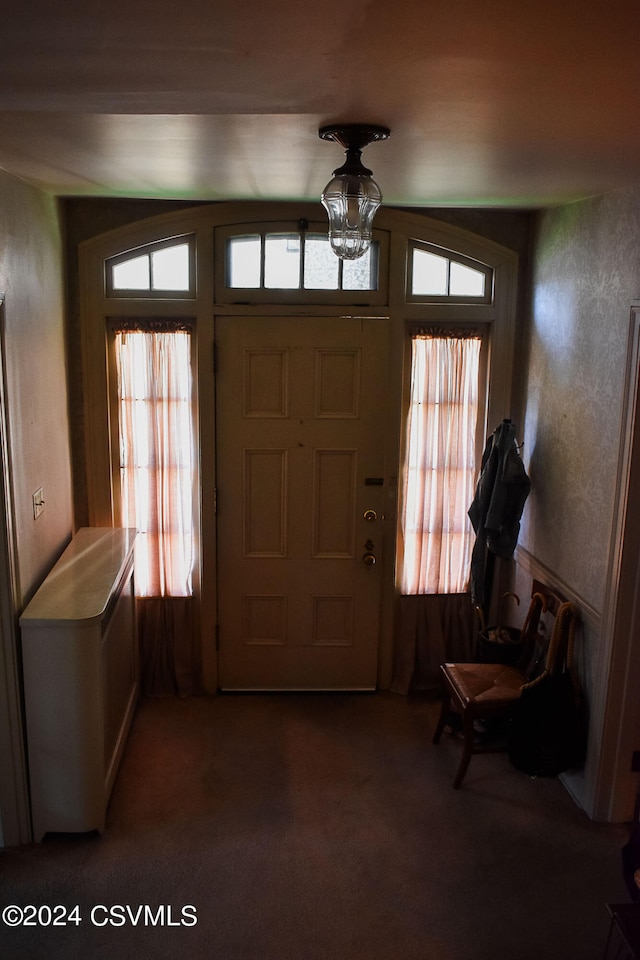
(300, 492)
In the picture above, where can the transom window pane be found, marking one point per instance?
(361, 274)
(429, 274)
(243, 262)
(170, 268)
(133, 274)
(291, 261)
(282, 261)
(436, 275)
(321, 266)
(160, 269)
(465, 282)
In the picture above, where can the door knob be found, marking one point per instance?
(368, 559)
(370, 515)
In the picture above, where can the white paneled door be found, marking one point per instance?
(300, 452)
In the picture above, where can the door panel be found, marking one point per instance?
(300, 459)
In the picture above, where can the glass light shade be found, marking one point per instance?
(351, 201)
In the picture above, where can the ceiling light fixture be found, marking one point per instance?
(352, 197)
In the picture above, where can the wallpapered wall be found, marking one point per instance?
(586, 272)
(31, 275)
(585, 275)
(36, 393)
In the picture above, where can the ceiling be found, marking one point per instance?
(514, 103)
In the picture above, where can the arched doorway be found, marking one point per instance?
(218, 310)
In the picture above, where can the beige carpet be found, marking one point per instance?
(318, 827)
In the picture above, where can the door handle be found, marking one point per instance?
(368, 559)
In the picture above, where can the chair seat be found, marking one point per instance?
(484, 684)
(477, 691)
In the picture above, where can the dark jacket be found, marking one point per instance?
(500, 496)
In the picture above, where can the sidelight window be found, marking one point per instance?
(156, 454)
(440, 462)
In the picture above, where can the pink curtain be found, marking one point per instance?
(440, 464)
(430, 630)
(435, 620)
(169, 660)
(156, 482)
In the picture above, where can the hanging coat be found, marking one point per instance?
(499, 500)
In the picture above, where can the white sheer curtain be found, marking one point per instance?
(156, 457)
(435, 616)
(440, 464)
(156, 487)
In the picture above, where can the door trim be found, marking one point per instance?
(616, 710)
(15, 815)
(90, 437)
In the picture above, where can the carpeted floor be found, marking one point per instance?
(317, 827)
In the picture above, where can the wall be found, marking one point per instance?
(31, 276)
(585, 274)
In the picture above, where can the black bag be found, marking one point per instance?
(548, 729)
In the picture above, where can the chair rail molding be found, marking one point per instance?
(590, 615)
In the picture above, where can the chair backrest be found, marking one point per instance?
(558, 656)
(529, 636)
(537, 645)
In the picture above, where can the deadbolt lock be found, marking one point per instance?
(370, 515)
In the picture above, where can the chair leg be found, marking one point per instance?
(468, 732)
(444, 713)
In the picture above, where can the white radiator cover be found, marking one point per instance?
(80, 664)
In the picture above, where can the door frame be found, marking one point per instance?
(15, 813)
(617, 709)
(401, 228)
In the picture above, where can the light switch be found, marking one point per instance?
(38, 503)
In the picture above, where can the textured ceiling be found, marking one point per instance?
(505, 103)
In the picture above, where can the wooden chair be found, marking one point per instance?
(488, 691)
